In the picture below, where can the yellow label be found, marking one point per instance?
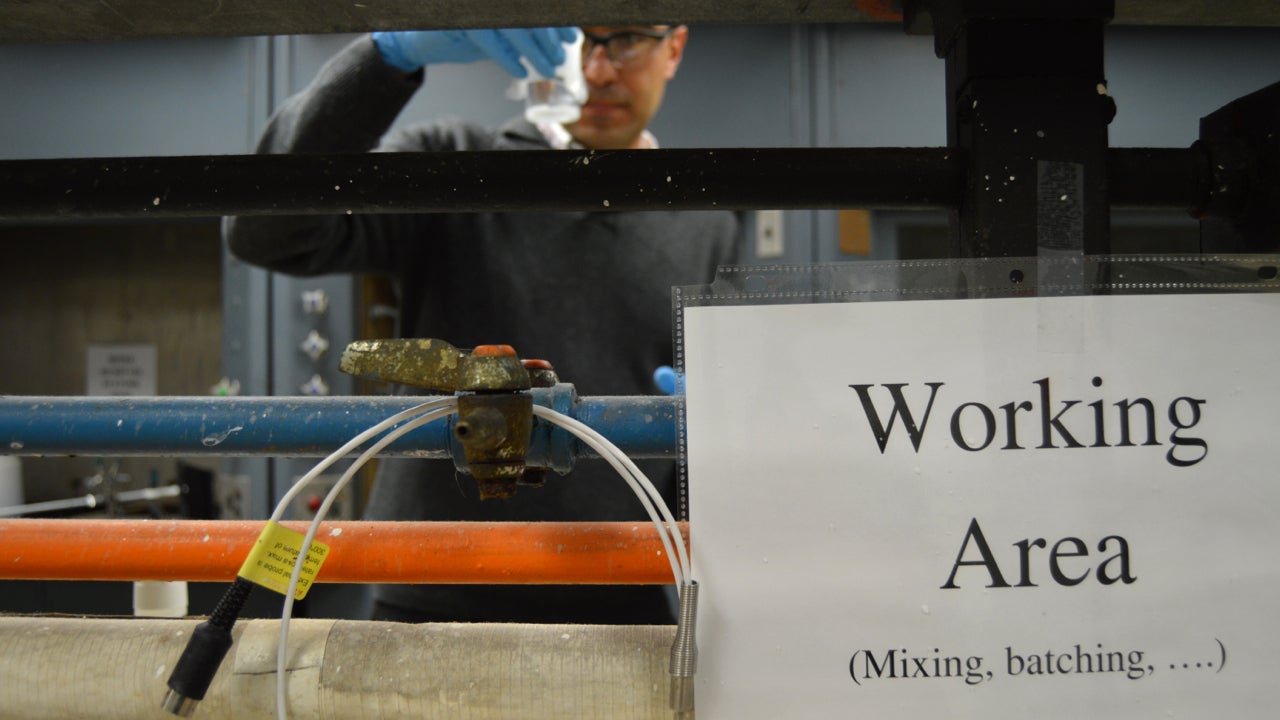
(270, 562)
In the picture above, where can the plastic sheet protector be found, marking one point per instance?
(985, 489)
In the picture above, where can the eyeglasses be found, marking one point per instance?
(623, 47)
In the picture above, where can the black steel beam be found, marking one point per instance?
(61, 20)
(1026, 102)
(1158, 178)
(728, 179)
(76, 20)
(1243, 152)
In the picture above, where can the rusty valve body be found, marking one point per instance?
(494, 429)
(495, 415)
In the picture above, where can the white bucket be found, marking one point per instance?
(157, 598)
(10, 481)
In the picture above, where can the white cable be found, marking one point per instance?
(684, 651)
(427, 412)
(636, 479)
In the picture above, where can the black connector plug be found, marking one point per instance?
(205, 650)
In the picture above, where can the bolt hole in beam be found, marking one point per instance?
(1016, 276)
(1267, 272)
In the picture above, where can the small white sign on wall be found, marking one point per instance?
(121, 370)
(1009, 508)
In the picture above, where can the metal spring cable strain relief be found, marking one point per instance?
(684, 651)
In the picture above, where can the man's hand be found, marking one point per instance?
(543, 47)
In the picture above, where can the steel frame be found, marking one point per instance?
(73, 20)
(665, 179)
(534, 180)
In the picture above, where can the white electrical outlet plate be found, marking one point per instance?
(769, 234)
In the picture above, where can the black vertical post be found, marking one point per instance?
(1240, 144)
(1028, 108)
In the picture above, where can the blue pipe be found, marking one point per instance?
(641, 426)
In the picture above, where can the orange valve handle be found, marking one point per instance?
(890, 10)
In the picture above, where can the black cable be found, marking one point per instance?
(205, 650)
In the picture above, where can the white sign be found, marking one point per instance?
(121, 370)
(1011, 508)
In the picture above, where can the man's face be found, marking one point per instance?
(622, 100)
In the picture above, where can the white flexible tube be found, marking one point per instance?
(437, 410)
(637, 480)
(669, 533)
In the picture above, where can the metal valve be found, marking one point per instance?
(495, 413)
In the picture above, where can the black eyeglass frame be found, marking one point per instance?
(607, 38)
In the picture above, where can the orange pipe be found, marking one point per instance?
(359, 552)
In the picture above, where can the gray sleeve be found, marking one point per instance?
(348, 107)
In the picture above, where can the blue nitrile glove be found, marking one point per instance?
(668, 380)
(411, 49)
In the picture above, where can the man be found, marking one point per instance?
(588, 291)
